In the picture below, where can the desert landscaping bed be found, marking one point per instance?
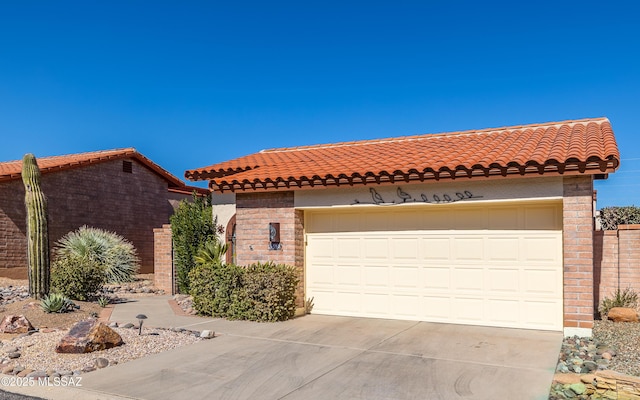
(34, 354)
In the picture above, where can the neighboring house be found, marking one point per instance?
(488, 227)
(118, 190)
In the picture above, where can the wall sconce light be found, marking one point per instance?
(274, 236)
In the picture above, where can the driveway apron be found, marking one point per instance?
(328, 357)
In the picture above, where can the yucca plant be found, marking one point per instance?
(114, 253)
(56, 303)
(211, 253)
(103, 301)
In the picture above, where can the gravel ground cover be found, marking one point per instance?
(37, 350)
(624, 338)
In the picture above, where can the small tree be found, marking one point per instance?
(192, 225)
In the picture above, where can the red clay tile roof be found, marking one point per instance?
(10, 170)
(584, 146)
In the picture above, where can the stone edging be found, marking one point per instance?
(177, 310)
(606, 384)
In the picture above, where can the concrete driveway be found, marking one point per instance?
(325, 357)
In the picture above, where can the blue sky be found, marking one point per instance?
(193, 83)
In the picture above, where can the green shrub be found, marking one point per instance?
(192, 225)
(117, 255)
(259, 292)
(269, 292)
(626, 298)
(216, 288)
(611, 217)
(76, 277)
(56, 303)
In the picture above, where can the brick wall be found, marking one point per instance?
(13, 243)
(254, 212)
(616, 261)
(578, 251)
(163, 259)
(99, 195)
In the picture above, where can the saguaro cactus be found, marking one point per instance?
(37, 232)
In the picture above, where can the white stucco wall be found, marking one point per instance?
(433, 193)
(224, 208)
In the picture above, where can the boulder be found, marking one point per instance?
(15, 324)
(88, 336)
(622, 314)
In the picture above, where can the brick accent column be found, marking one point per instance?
(577, 217)
(164, 275)
(254, 212)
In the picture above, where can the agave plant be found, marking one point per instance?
(56, 303)
(117, 255)
(211, 253)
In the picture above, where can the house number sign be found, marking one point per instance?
(403, 197)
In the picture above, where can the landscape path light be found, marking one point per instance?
(141, 318)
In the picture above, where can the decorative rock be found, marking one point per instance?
(88, 336)
(11, 349)
(590, 366)
(578, 388)
(88, 368)
(128, 325)
(206, 334)
(15, 324)
(37, 374)
(102, 362)
(113, 325)
(7, 370)
(14, 355)
(25, 372)
(622, 314)
(17, 369)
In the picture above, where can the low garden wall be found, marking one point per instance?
(616, 261)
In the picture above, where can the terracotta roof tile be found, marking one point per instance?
(10, 170)
(576, 146)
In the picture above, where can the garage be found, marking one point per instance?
(488, 227)
(494, 265)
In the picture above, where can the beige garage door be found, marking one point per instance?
(494, 266)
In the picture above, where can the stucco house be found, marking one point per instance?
(118, 190)
(487, 227)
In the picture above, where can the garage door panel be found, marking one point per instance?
(376, 304)
(503, 281)
(376, 248)
(436, 308)
(376, 276)
(468, 309)
(499, 277)
(347, 303)
(405, 248)
(436, 278)
(348, 248)
(503, 311)
(321, 275)
(436, 248)
(467, 279)
(406, 306)
(537, 314)
(544, 248)
(406, 277)
(468, 248)
(541, 282)
(349, 275)
(503, 248)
